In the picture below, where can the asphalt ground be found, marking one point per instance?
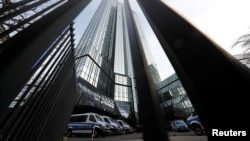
(173, 136)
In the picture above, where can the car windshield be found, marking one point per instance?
(114, 121)
(125, 123)
(180, 122)
(110, 120)
(106, 119)
(99, 118)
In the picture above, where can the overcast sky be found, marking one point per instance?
(224, 21)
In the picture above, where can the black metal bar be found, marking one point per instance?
(23, 52)
(25, 113)
(17, 12)
(13, 5)
(52, 100)
(149, 108)
(20, 49)
(8, 31)
(41, 98)
(214, 80)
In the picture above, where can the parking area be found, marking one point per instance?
(173, 136)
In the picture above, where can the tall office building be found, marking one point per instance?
(150, 60)
(104, 66)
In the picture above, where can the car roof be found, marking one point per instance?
(83, 114)
(106, 116)
(177, 120)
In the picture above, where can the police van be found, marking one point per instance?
(115, 128)
(194, 123)
(87, 123)
(126, 127)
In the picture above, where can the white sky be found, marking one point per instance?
(224, 21)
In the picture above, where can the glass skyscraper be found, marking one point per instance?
(103, 60)
(174, 100)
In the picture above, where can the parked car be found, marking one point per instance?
(87, 123)
(115, 128)
(179, 126)
(138, 128)
(193, 121)
(126, 127)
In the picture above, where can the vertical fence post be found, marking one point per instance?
(149, 107)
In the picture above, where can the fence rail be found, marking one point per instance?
(37, 76)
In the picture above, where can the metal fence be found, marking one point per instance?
(37, 76)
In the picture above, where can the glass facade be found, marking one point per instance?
(144, 42)
(174, 99)
(103, 60)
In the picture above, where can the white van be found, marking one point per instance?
(88, 123)
(194, 123)
(115, 128)
(126, 127)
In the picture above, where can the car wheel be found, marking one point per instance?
(69, 133)
(104, 134)
(96, 133)
(198, 130)
(175, 129)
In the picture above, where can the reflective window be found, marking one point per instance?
(92, 118)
